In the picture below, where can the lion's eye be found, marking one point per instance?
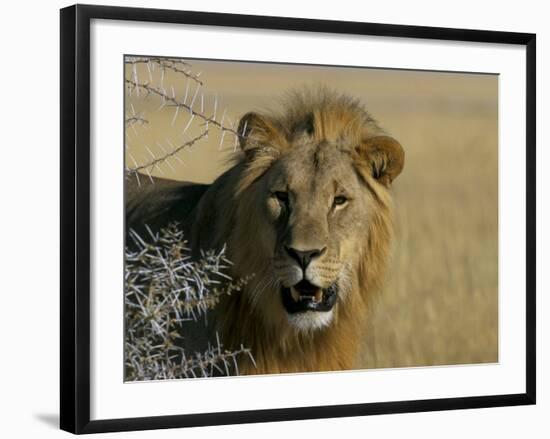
(340, 200)
(282, 196)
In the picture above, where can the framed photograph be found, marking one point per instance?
(268, 218)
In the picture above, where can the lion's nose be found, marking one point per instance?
(304, 257)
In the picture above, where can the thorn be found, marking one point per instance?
(235, 143)
(161, 147)
(215, 106)
(195, 96)
(251, 358)
(134, 68)
(167, 161)
(149, 175)
(150, 152)
(149, 70)
(186, 92)
(226, 367)
(133, 160)
(175, 115)
(188, 124)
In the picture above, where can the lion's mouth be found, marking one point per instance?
(304, 296)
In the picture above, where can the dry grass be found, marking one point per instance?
(440, 305)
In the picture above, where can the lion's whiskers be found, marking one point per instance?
(259, 289)
(345, 281)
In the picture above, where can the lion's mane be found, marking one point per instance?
(225, 215)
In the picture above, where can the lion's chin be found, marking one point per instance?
(310, 320)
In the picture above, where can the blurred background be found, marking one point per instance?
(440, 304)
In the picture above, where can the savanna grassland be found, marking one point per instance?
(440, 304)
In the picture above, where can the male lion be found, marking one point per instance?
(307, 210)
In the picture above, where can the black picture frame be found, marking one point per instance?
(75, 217)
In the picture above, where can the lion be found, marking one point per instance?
(307, 209)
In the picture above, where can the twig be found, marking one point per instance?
(136, 120)
(156, 161)
(176, 103)
(173, 64)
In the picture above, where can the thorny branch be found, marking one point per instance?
(183, 104)
(192, 103)
(164, 288)
(173, 64)
(156, 161)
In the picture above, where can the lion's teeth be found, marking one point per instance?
(297, 297)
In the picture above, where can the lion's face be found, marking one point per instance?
(314, 207)
(312, 201)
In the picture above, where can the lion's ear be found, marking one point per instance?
(384, 155)
(257, 132)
